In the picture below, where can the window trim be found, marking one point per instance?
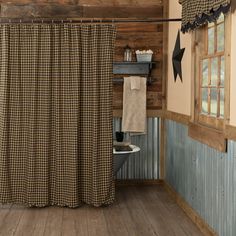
(214, 126)
(207, 120)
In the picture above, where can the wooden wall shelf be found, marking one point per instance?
(132, 68)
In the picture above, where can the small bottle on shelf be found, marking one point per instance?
(128, 54)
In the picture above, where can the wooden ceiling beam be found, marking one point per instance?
(16, 10)
(91, 2)
(123, 12)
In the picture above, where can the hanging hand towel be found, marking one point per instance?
(135, 82)
(134, 105)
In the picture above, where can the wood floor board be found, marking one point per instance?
(27, 223)
(68, 222)
(180, 216)
(9, 224)
(41, 220)
(53, 225)
(129, 223)
(142, 224)
(4, 210)
(129, 198)
(115, 223)
(137, 211)
(121, 204)
(161, 220)
(81, 222)
(97, 225)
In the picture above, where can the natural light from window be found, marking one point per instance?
(213, 71)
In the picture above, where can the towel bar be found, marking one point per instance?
(121, 80)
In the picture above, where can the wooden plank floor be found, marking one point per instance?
(138, 211)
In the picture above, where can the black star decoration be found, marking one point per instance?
(177, 58)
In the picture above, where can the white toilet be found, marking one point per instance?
(119, 158)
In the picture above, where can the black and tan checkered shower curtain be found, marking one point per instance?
(56, 114)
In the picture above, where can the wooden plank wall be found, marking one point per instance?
(141, 36)
(136, 35)
(81, 8)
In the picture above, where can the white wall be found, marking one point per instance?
(178, 94)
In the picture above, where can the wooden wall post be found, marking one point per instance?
(164, 89)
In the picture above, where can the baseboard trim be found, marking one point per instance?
(138, 182)
(190, 212)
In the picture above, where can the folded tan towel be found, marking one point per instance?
(135, 82)
(134, 105)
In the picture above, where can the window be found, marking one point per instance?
(211, 75)
(211, 99)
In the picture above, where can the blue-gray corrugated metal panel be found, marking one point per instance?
(144, 164)
(204, 177)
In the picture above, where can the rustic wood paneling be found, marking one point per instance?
(93, 9)
(93, 2)
(139, 3)
(141, 36)
(121, 11)
(11, 10)
(139, 27)
(140, 39)
(137, 35)
(164, 86)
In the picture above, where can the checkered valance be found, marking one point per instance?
(198, 12)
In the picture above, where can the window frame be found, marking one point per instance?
(209, 131)
(201, 43)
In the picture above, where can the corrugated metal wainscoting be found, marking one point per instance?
(145, 164)
(204, 177)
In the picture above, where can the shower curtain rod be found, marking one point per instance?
(93, 20)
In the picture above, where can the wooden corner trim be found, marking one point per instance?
(211, 137)
(230, 132)
(190, 212)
